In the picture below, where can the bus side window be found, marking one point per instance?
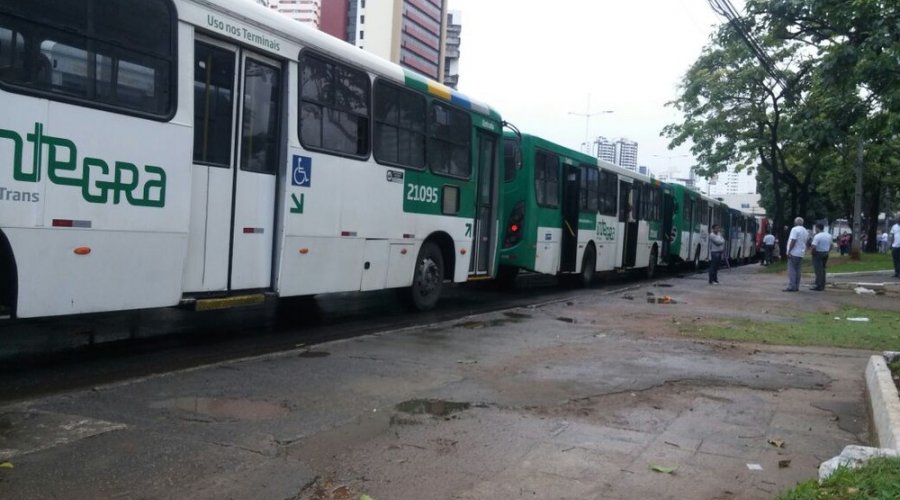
(449, 141)
(399, 126)
(334, 106)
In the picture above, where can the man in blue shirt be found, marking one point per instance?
(821, 246)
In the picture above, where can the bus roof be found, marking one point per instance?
(279, 25)
(583, 157)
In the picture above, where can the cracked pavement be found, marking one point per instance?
(579, 398)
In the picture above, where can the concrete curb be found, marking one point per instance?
(884, 413)
(884, 403)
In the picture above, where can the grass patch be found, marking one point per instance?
(881, 332)
(842, 264)
(877, 479)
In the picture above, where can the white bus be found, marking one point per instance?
(159, 152)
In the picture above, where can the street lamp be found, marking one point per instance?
(587, 122)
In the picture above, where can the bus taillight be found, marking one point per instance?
(514, 225)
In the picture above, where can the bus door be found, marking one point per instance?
(237, 106)
(570, 206)
(485, 230)
(626, 250)
(667, 236)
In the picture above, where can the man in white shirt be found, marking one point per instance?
(895, 246)
(796, 248)
(768, 248)
(821, 246)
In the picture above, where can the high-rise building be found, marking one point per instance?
(451, 53)
(626, 154)
(335, 17)
(407, 32)
(606, 149)
(305, 11)
(731, 182)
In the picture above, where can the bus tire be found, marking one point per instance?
(651, 266)
(696, 263)
(428, 277)
(8, 279)
(588, 266)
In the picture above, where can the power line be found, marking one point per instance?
(725, 9)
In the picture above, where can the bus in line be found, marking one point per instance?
(568, 213)
(164, 152)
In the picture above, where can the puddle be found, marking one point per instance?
(436, 407)
(240, 409)
(475, 325)
(314, 354)
(516, 315)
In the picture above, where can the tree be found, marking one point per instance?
(736, 114)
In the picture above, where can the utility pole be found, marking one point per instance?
(857, 203)
(587, 122)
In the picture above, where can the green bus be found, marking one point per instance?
(568, 213)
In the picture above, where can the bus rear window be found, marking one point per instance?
(510, 159)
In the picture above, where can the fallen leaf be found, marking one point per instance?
(663, 469)
(784, 464)
(776, 442)
(6, 465)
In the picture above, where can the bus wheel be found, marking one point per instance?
(696, 264)
(588, 266)
(428, 277)
(651, 266)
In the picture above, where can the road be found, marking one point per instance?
(580, 397)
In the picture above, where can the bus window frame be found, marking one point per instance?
(43, 30)
(369, 102)
(375, 123)
(470, 144)
(539, 151)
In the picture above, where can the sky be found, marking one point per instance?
(538, 61)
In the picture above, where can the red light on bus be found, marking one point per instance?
(82, 250)
(304, 251)
(514, 228)
(403, 252)
(462, 251)
(62, 222)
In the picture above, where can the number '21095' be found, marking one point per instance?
(427, 194)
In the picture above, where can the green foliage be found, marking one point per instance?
(841, 60)
(877, 479)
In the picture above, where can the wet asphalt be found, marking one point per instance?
(588, 394)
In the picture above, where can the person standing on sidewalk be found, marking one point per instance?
(716, 247)
(821, 246)
(796, 248)
(895, 246)
(768, 248)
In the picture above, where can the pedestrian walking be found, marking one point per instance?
(796, 248)
(716, 247)
(768, 248)
(883, 243)
(821, 246)
(895, 246)
(844, 243)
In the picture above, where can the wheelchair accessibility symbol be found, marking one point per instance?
(302, 171)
